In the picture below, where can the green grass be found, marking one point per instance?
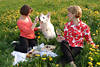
(9, 14)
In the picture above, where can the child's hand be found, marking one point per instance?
(35, 22)
(36, 19)
(39, 27)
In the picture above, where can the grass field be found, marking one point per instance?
(9, 14)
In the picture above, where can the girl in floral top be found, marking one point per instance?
(74, 33)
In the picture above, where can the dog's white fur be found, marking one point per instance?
(46, 26)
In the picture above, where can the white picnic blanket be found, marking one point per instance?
(20, 57)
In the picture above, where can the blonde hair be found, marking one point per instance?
(75, 10)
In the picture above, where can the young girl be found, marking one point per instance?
(74, 33)
(27, 28)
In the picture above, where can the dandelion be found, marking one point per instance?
(97, 45)
(50, 58)
(85, 9)
(43, 59)
(16, 27)
(92, 49)
(57, 65)
(90, 53)
(32, 50)
(37, 13)
(96, 12)
(96, 53)
(90, 63)
(93, 34)
(92, 45)
(90, 58)
(98, 50)
(54, 13)
(97, 31)
(44, 54)
(98, 63)
(37, 55)
(38, 37)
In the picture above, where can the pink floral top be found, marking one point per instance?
(75, 34)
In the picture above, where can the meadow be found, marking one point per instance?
(9, 14)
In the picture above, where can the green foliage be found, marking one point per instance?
(9, 14)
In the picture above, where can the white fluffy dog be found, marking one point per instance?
(46, 26)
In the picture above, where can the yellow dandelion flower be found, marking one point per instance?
(85, 9)
(97, 45)
(44, 54)
(43, 59)
(93, 46)
(37, 13)
(96, 53)
(90, 58)
(96, 12)
(16, 27)
(38, 37)
(97, 31)
(38, 33)
(32, 50)
(92, 49)
(50, 58)
(90, 53)
(37, 55)
(93, 34)
(92, 66)
(90, 63)
(57, 65)
(98, 50)
(54, 13)
(98, 63)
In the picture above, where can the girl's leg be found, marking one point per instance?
(23, 46)
(67, 53)
(76, 50)
(32, 42)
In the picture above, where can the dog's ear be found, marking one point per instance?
(48, 15)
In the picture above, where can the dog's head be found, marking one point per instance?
(44, 18)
